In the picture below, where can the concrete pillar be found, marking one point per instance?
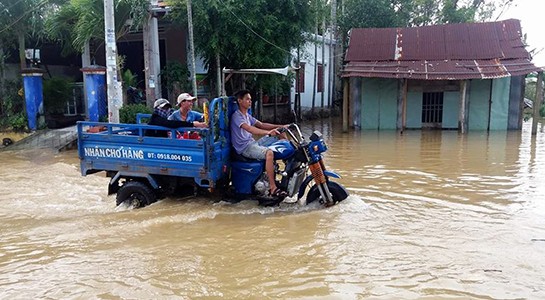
(34, 99)
(537, 102)
(95, 91)
(462, 114)
(346, 99)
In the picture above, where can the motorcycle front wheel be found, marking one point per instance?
(338, 193)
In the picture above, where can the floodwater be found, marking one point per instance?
(431, 215)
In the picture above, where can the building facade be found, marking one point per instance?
(322, 46)
(455, 76)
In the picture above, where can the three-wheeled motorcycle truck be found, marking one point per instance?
(145, 168)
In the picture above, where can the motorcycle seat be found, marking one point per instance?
(238, 157)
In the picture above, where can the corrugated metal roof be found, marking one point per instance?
(451, 51)
(383, 44)
(439, 69)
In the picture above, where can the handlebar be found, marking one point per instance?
(296, 138)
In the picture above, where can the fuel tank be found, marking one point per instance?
(282, 149)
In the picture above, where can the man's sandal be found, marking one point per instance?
(279, 193)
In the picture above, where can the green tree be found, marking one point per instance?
(373, 14)
(6, 43)
(423, 12)
(454, 12)
(407, 13)
(79, 21)
(20, 21)
(246, 33)
(23, 20)
(127, 114)
(175, 77)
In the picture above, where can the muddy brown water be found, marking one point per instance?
(431, 215)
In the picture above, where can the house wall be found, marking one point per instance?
(414, 109)
(378, 103)
(491, 104)
(306, 55)
(479, 103)
(496, 104)
(451, 104)
(13, 72)
(175, 48)
(516, 102)
(500, 103)
(172, 42)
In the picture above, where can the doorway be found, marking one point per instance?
(432, 110)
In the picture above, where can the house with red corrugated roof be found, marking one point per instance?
(468, 76)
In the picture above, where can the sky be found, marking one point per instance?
(530, 14)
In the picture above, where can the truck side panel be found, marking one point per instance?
(124, 147)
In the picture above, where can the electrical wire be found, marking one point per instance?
(38, 6)
(257, 34)
(9, 7)
(264, 39)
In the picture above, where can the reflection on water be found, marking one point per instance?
(431, 214)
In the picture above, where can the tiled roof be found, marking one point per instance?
(440, 52)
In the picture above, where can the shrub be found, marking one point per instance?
(18, 122)
(127, 114)
(129, 78)
(12, 105)
(175, 77)
(57, 92)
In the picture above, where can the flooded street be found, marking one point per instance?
(431, 215)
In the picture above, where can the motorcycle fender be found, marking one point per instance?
(309, 178)
(113, 185)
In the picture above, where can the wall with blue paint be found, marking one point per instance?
(379, 103)
(451, 104)
(499, 110)
(479, 100)
(414, 110)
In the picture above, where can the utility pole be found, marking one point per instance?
(219, 88)
(191, 47)
(333, 54)
(86, 62)
(114, 86)
(152, 57)
(323, 62)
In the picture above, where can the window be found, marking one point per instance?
(320, 85)
(74, 106)
(432, 108)
(301, 80)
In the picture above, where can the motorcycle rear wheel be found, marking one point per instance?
(338, 193)
(135, 194)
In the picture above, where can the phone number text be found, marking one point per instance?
(168, 156)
